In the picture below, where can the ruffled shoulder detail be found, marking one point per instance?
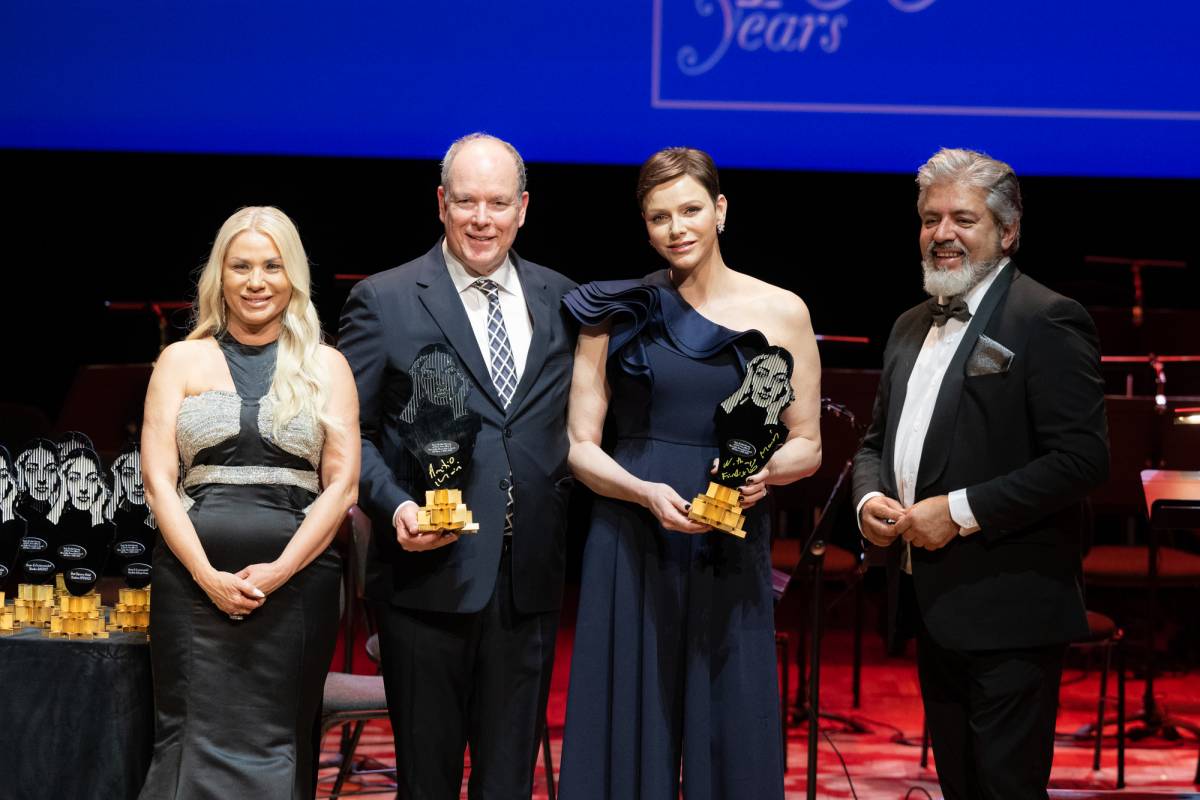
(654, 306)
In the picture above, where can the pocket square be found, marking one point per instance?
(988, 357)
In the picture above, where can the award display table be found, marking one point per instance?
(76, 716)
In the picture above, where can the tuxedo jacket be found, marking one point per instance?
(1019, 423)
(387, 319)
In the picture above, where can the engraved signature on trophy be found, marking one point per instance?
(770, 25)
(743, 466)
(441, 472)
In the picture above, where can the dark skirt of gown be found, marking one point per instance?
(673, 673)
(237, 703)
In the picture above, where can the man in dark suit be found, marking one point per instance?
(467, 622)
(989, 431)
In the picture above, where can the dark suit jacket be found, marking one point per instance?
(1027, 443)
(387, 319)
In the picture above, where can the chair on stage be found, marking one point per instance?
(358, 699)
(1144, 433)
(351, 700)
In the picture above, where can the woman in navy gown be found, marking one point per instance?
(673, 672)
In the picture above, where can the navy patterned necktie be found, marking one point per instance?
(503, 366)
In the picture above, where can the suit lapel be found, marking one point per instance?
(938, 439)
(907, 349)
(441, 300)
(540, 312)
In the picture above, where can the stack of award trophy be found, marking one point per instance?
(748, 432)
(59, 518)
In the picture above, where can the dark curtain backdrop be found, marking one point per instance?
(83, 228)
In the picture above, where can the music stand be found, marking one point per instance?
(1172, 502)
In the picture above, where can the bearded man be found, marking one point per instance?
(988, 433)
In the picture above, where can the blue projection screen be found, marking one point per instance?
(1066, 87)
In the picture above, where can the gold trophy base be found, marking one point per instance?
(444, 510)
(719, 508)
(7, 617)
(132, 611)
(79, 617)
(34, 605)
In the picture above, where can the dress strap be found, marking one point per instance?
(252, 367)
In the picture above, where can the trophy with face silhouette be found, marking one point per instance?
(133, 542)
(12, 531)
(82, 538)
(135, 526)
(83, 531)
(749, 433)
(39, 485)
(439, 430)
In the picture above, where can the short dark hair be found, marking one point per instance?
(674, 162)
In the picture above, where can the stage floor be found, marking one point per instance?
(881, 764)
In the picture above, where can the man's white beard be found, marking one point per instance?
(952, 283)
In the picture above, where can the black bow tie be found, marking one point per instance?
(955, 309)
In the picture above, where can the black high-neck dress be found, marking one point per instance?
(237, 702)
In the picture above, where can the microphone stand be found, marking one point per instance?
(814, 554)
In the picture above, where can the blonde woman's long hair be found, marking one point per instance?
(299, 383)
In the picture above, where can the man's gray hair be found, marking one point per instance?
(997, 179)
(448, 159)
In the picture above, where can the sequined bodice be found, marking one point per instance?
(229, 437)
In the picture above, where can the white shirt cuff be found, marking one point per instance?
(960, 512)
(861, 503)
(396, 513)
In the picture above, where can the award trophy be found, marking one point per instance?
(749, 432)
(12, 526)
(439, 430)
(82, 539)
(39, 485)
(135, 531)
(12, 530)
(83, 534)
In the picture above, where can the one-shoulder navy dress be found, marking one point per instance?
(673, 672)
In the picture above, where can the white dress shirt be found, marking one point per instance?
(924, 383)
(512, 308)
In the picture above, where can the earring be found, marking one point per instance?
(720, 227)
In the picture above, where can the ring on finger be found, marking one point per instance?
(237, 617)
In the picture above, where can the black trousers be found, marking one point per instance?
(991, 717)
(467, 680)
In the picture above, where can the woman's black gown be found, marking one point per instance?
(237, 702)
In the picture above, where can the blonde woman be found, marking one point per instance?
(250, 453)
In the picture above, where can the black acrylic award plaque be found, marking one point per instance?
(439, 430)
(39, 484)
(748, 432)
(12, 526)
(131, 518)
(82, 533)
